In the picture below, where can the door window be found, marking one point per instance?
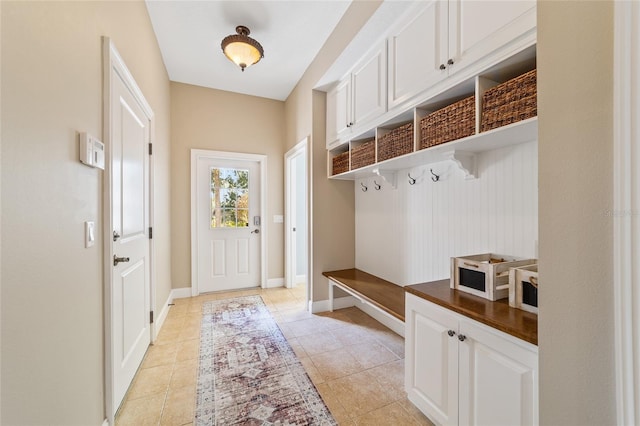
(229, 198)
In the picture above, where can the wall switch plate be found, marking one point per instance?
(89, 234)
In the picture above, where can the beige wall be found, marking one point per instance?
(204, 118)
(52, 304)
(576, 335)
(332, 202)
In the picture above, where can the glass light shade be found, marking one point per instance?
(242, 49)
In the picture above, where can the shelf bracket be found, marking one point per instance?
(466, 161)
(388, 176)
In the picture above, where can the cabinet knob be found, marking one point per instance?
(450, 61)
(350, 124)
(451, 333)
(462, 337)
(443, 66)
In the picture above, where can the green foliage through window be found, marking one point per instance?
(229, 198)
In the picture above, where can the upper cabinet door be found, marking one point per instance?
(369, 80)
(477, 29)
(417, 48)
(338, 111)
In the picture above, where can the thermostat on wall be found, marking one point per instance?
(91, 151)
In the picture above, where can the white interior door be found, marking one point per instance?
(296, 215)
(228, 224)
(130, 137)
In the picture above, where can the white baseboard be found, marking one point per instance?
(275, 282)
(162, 315)
(338, 303)
(382, 317)
(176, 293)
(301, 279)
(180, 293)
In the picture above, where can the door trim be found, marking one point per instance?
(113, 63)
(198, 154)
(289, 274)
(626, 199)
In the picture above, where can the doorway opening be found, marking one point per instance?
(297, 259)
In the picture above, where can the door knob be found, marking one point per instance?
(255, 231)
(117, 260)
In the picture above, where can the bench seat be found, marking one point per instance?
(381, 294)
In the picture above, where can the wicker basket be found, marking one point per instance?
(398, 141)
(340, 163)
(363, 154)
(512, 101)
(455, 121)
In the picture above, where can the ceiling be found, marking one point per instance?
(291, 32)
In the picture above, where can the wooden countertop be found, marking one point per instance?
(384, 294)
(498, 314)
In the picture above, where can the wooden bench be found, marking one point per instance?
(383, 295)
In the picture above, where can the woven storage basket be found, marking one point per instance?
(340, 163)
(397, 142)
(363, 154)
(512, 101)
(452, 122)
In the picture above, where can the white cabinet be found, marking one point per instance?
(358, 98)
(338, 111)
(417, 46)
(479, 30)
(369, 82)
(439, 38)
(458, 371)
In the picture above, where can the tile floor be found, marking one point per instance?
(356, 363)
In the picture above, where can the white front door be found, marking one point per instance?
(228, 224)
(130, 138)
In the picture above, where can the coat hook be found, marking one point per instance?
(435, 177)
(412, 181)
(364, 187)
(378, 186)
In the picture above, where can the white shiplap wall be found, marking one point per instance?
(408, 235)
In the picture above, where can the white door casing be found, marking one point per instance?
(227, 258)
(626, 210)
(127, 192)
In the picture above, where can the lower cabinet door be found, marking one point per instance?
(431, 360)
(498, 378)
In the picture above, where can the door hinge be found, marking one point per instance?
(151, 317)
(150, 149)
(150, 233)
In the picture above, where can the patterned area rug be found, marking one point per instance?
(248, 374)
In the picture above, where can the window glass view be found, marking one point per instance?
(229, 198)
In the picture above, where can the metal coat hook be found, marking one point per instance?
(378, 186)
(412, 181)
(364, 187)
(435, 177)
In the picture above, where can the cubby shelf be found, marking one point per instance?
(512, 134)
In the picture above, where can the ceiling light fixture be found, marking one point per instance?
(242, 49)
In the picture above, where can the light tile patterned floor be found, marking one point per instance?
(356, 363)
